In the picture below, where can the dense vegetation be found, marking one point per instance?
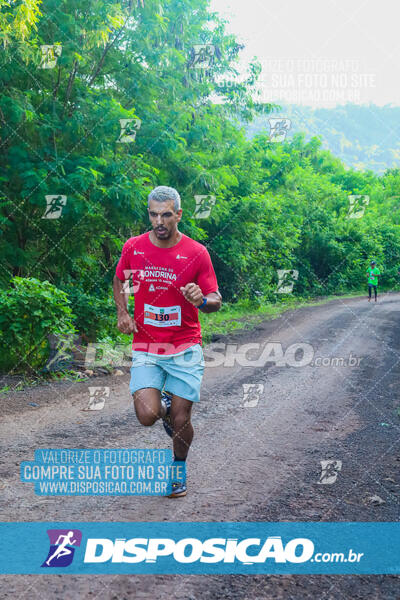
(279, 205)
(362, 136)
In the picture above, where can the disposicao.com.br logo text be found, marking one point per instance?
(248, 551)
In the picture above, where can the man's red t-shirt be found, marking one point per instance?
(167, 322)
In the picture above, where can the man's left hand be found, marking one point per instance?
(192, 293)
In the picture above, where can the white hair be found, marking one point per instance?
(162, 193)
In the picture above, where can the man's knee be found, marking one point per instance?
(146, 418)
(181, 420)
(146, 408)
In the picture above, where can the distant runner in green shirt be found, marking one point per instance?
(373, 274)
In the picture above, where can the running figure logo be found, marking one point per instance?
(287, 278)
(252, 393)
(204, 205)
(137, 278)
(54, 206)
(357, 204)
(202, 56)
(62, 547)
(279, 129)
(97, 399)
(329, 471)
(129, 128)
(49, 56)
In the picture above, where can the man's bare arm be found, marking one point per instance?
(125, 322)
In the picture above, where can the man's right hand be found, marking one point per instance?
(126, 324)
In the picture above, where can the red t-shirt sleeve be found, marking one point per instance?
(124, 263)
(206, 277)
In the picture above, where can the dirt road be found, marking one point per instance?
(250, 463)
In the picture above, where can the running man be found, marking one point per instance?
(173, 279)
(62, 549)
(373, 274)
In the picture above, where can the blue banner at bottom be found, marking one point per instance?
(200, 548)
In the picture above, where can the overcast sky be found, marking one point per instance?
(321, 52)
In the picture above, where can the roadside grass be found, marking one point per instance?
(20, 382)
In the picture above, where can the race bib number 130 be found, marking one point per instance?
(166, 316)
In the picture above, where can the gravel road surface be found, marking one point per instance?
(255, 458)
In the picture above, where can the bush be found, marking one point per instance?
(95, 315)
(31, 310)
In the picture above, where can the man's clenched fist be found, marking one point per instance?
(126, 324)
(192, 293)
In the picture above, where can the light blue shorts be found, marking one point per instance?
(180, 374)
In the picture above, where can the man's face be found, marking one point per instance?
(163, 218)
